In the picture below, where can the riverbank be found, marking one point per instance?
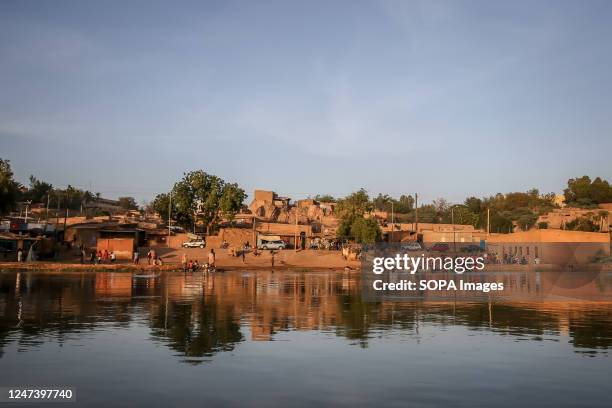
(317, 260)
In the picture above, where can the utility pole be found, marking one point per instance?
(416, 213)
(254, 233)
(26, 210)
(488, 221)
(453, 224)
(296, 228)
(57, 212)
(392, 221)
(169, 218)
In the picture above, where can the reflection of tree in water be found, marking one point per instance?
(35, 308)
(359, 320)
(197, 329)
(592, 330)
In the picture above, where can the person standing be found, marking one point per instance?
(113, 257)
(184, 261)
(136, 257)
(20, 255)
(211, 258)
(149, 256)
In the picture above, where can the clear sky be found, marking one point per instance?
(446, 99)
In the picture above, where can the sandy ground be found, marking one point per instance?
(285, 259)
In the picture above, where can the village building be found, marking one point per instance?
(559, 217)
(550, 246)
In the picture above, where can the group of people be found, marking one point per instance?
(99, 257)
(509, 259)
(246, 247)
(152, 257)
(193, 265)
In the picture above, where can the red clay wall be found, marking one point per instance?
(123, 247)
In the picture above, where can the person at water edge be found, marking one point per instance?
(113, 257)
(20, 255)
(272, 259)
(149, 256)
(82, 255)
(136, 257)
(211, 258)
(105, 256)
(184, 261)
(190, 265)
(92, 257)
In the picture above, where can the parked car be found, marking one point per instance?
(439, 247)
(412, 246)
(471, 248)
(276, 244)
(194, 243)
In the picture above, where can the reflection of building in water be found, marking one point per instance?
(199, 315)
(113, 285)
(273, 301)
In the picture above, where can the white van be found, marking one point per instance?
(275, 244)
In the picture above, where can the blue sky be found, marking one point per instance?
(442, 98)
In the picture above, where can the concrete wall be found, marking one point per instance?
(263, 195)
(551, 246)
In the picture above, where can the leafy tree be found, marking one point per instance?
(356, 204)
(582, 224)
(359, 229)
(582, 192)
(365, 231)
(464, 216)
(200, 196)
(127, 203)
(39, 190)
(9, 189)
(429, 214)
(382, 202)
(325, 198)
(161, 204)
(231, 201)
(404, 205)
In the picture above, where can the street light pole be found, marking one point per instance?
(169, 218)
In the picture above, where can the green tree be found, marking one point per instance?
(161, 204)
(365, 231)
(582, 192)
(200, 196)
(355, 204)
(127, 203)
(582, 224)
(9, 189)
(325, 198)
(39, 190)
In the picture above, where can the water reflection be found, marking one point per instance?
(198, 316)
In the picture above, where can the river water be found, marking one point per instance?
(296, 339)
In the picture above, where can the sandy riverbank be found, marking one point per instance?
(316, 260)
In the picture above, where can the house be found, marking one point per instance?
(550, 246)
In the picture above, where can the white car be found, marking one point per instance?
(413, 246)
(278, 244)
(195, 243)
